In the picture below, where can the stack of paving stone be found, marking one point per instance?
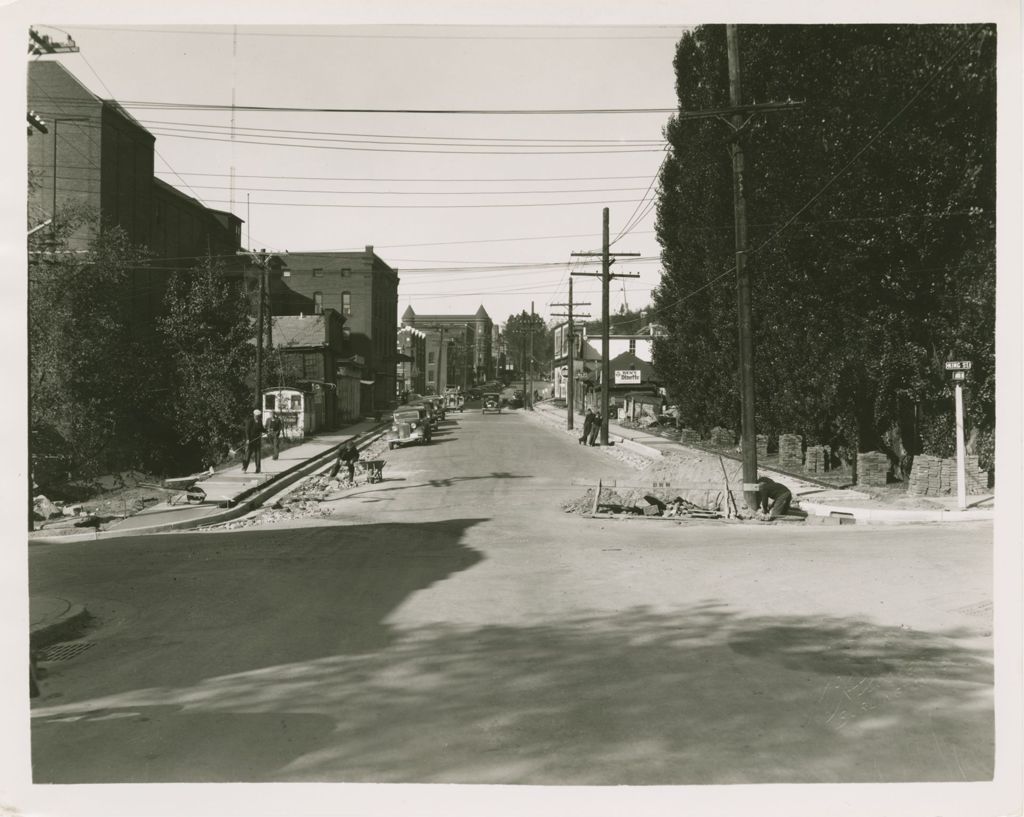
(689, 436)
(873, 468)
(762, 447)
(791, 453)
(815, 459)
(722, 437)
(932, 476)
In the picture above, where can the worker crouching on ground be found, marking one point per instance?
(779, 494)
(349, 455)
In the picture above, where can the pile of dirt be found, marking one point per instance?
(610, 500)
(699, 479)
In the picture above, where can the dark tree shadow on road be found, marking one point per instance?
(699, 695)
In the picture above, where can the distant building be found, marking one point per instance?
(362, 288)
(410, 374)
(631, 356)
(309, 349)
(459, 347)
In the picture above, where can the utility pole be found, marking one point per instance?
(261, 261)
(607, 259)
(570, 407)
(738, 125)
(746, 332)
(529, 394)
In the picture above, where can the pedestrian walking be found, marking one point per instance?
(275, 427)
(588, 424)
(596, 427)
(253, 431)
(349, 455)
(779, 494)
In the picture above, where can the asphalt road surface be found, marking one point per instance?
(452, 624)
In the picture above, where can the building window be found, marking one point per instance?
(318, 303)
(430, 357)
(318, 272)
(346, 303)
(632, 346)
(310, 369)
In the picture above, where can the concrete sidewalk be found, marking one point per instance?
(230, 491)
(816, 499)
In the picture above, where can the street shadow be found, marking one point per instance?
(225, 603)
(699, 695)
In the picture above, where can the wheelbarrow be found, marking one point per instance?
(373, 470)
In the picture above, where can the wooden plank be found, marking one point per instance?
(597, 497)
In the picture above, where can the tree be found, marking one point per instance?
(90, 380)
(520, 330)
(888, 267)
(210, 338)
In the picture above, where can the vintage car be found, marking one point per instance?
(453, 401)
(410, 424)
(491, 402)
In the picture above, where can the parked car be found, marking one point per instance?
(491, 403)
(454, 401)
(410, 424)
(427, 404)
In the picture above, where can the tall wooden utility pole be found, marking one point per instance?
(607, 259)
(746, 332)
(569, 382)
(261, 261)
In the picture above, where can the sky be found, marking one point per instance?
(471, 208)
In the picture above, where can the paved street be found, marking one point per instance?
(452, 624)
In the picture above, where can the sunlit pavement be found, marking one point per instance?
(451, 624)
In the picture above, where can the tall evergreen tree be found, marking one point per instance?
(888, 265)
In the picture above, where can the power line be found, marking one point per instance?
(434, 180)
(151, 105)
(418, 138)
(460, 152)
(431, 206)
(287, 35)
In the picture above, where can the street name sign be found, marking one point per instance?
(958, 365)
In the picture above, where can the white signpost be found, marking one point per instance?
(959, 369)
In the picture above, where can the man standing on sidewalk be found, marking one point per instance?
(253, 431)
(595, 428)
(274, 428)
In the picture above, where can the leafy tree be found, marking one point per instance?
(887, 268)
(90, 378)
(520, 330)
(210, 337)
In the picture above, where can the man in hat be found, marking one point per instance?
(779, 494)
(253, 431)
(588, 424)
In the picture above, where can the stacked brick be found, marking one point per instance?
(791, 453)
(722, 437)
(762, 447)
(873, 468)
(814, 460)
(932, 476)
(689, 436)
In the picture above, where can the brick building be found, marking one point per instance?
(364, 289)
(311, 351)
(412, 357)
(97, 155)
(459, 347)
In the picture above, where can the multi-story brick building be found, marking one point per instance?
(364, 289)
(459, 347)
(98, 156)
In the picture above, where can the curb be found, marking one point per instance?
(247, 501)
(885, 516)
(46, 634)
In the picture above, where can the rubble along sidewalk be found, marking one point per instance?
(240, 491)
(844, 504)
